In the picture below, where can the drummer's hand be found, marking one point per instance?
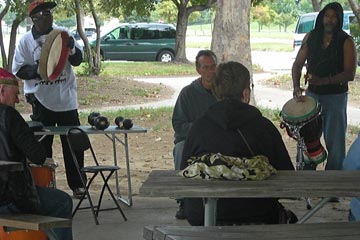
(298, 93)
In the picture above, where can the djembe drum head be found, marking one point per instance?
(299, 111)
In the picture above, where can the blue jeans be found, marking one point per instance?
(54, 203)
(352, 162)
(334, 121)
(177, 152)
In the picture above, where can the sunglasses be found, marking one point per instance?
(42, 13)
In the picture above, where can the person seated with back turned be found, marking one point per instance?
(217, 132)
(352, 162)
(17, 144)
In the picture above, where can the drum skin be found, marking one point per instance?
(299, 111)
(54, 55)
(44, 176)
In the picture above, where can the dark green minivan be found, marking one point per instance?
(139, 42)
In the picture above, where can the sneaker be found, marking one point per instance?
(79, 193)
(180, 214)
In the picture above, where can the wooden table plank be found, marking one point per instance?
(165, 183)
(33, 222)
(7, 166)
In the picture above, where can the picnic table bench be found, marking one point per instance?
(323, 231)
(33, 221)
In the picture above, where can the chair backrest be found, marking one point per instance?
(79, 141)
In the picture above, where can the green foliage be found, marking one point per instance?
(204, 17)
(263, 15)
(85, 70)
(69, 22)
(136, 69)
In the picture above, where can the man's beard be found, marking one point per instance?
(329, 28)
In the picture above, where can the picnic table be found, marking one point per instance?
(283, 184)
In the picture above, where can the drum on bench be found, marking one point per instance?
(44, 176)
(304, 116)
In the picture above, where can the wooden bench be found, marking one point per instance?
(323, 231)
(33, 222)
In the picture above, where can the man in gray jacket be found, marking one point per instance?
(192, 102)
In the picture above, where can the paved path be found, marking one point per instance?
(272, 98)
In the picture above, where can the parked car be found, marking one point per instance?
(89, 32)
(139, 42)
(306, 23)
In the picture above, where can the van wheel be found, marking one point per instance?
(165, 56)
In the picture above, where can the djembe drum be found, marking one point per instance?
(303, 123)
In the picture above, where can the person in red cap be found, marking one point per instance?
(53, 102)
(18, 144)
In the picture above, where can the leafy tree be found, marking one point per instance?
(67, 22)
(184, 9)
(263, 15)
(3, 12)
(164, 11)
(355, 7)
(17, 8)
(286, 13)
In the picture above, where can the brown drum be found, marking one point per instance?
(305, 115)
(44, 176)
(54, 55)
(22, 235)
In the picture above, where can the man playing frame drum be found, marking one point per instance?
(49, 80)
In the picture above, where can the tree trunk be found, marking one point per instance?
(96, 58)
(3, 52)
(316, 5)
(181, 27)
(11, 52)
(231, 35)
(355, 8)
(81, 32)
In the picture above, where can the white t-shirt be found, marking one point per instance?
(58, 95)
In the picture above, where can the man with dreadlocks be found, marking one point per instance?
(331, 63)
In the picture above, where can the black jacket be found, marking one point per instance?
(216, 132)
(17, 143)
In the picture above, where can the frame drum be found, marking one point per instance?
(54, 55)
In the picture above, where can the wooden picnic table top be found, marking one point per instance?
(7, 166)
(283, 184)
